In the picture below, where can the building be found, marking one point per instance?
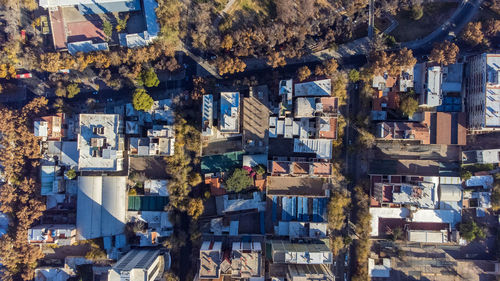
(50, 128)
(301, 261)
(403, 131)
(482, 90)
(101, 206)
(315, 106)
(318, 88)
(94, 6)
(52, 274)
(255, 120)
(100, 142)
(485, 156)
(420, 194)
(286, 93)
(61, 235)
(432, 95)
(210, 260)
(139, 265)
(147, 36)
(247, 262)
(299, 166)
(448, 128)
(229, 113)
(207, 115)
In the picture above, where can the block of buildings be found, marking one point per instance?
(58, 234)
(139, 265)
(403, 131)
(482, 90)
(229, 122)
(101, 206)
(50, 128)
(299, 166)
(100, 142)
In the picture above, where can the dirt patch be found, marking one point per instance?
(152, 167)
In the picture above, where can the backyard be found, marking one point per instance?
(435, 14)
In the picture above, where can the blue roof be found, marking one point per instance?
(151, 20)
(110, 7)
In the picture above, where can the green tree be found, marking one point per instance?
(195, 208)
(354, 75)
(107, 28)
(148, 78)
(408, 105)
(469, 230)
(465, 174)
(122, 23)
(260, 169)
(495, 195)
(141, 100)
(72, 90)
(417, 12)
(239, 181)
(71, 174)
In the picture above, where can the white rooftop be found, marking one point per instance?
(488, 156)
(433, 94)
(86, 47)
(492, 105)
(422, 195)
(322, 147)
(428, 236)
(244, 204)
(379, 270)
(207, 115)
(230, 112)
(99, 142)
(314, 88)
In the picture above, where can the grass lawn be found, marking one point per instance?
(260, 9)
(435, 14)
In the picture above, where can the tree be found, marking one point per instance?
(230, 65)
(469, 230)
(339, 201)
(148, 78)
(337, 244)
(227, 42)
(495, 195)
(275, 59)
(408, 105)
(107, 28)
(396, 233)
(260, 169)
(195, 208)
(122, 23)
(141, 100)
(303, 73)
(330, 67)
(444, 53)
(492, 27)
(238, 181)
(417, 12)
(73, 90)
(61, 92)
(354, 75)
(465, 175)
(472, 34)
(71, 174)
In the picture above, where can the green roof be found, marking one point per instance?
(147, 203)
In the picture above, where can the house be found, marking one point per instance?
(318, 88)
(158, 226)
(50, 128)
(52, 274)
(403, 131)
(61, 235)
(448, 128)
(210, 260)
(301, 261)
(147, 36)
(139, 265)
(432, 96)
(482, 90)
(297, 166)
(101, 206)
(229, 113)
(485, 156)
(315, 106)
(247, 261)
(100, 142)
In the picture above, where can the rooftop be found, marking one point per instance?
(452, 78)
(322, 147)
(136, 259)
(101, 206)
(403, 131)
(446, 127)
(255, 114)
(301, 253)
(433, 94)
(94, 6)
(492, 105)
(100, 143)
(299, 186)
(247, 260)
(314, 88)
(86, 47)
(299, 272)
(210, 259)
(316, 106)
(207, 115)
(50, 127)
(230, 112)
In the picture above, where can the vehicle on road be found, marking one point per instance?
(95, 92)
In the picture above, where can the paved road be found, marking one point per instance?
(451, 28)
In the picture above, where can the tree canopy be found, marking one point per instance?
(445, 53)
(339, 201)
(469, 230)
(148, 78)
(141, 100)
(408, 105)
(303, 73)
(238, 181)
